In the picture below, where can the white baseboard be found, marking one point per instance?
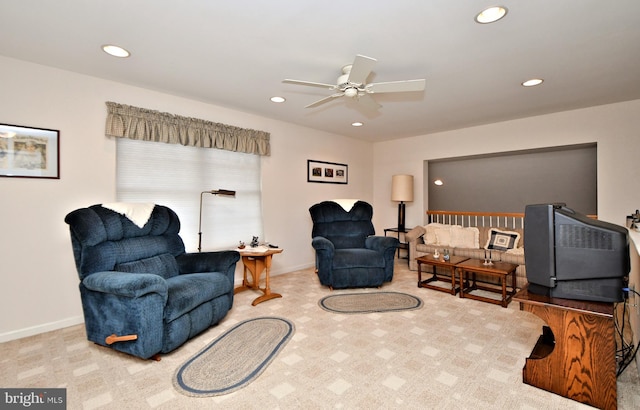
(35, 330)
(289, 269)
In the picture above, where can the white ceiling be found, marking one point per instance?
(235, 53)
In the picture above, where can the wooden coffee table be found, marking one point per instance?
(501, 270)
(449, 265)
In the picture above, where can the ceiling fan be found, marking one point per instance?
(352, 84)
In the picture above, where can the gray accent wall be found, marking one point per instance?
(507, 182)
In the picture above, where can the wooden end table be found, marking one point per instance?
(501, 270)
(256, 262)
(403, 244)
(449, 265)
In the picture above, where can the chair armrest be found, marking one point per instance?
(322, 244)
(415, 233)
(381, 243)
(131, 285)
(221, 261)
(325, 251)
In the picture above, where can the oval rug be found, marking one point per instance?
(235, 358)
(370, 302)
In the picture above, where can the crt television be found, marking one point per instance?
(572, 256)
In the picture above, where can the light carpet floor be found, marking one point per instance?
(450, 354)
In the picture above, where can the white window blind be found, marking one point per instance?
(174, 175)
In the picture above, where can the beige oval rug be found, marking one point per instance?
(235, 358)
(370, 302)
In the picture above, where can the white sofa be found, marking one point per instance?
(473, 235)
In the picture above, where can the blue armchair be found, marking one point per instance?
(347, 253)
(141, 293)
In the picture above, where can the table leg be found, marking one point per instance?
(267, 289)
(246, 285)
(453, 280)
(256, 265)
(503, 280)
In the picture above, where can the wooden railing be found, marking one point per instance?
(504, 220)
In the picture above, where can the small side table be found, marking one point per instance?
(500, 270)
(403, 245)
(449, 265)
(256, 262)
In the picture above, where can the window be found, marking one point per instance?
(175, 175)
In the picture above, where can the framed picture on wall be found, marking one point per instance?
(327, 172)
(27, 152)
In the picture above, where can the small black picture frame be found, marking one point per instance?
(327, 172)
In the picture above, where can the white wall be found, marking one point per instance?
(38, 280)
(615, 128)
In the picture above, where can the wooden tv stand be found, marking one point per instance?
(575, 356)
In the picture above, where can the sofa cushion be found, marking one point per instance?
(430, 234)
(464, 237)
(502, 240)
(423, 248)
(472, 253)
(515, 256)
(443, 236)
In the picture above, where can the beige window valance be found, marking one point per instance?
(125, 121)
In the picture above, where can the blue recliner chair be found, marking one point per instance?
(141, 293)
(347, 253)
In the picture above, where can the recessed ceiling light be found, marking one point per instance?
(533, 82)
(278, 99)
(115, 51)
(492, 14)
(357, 124)
(438, 182)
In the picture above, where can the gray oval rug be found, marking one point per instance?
(235, 358)
(370, 302)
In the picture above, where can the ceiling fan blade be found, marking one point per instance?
(396, 86)
(309, 83)
(360, 69)
(324, 100)
(367, 102)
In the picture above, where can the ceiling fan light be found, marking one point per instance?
(277, 99)
(491, 15)
(351, 92)
(357, 124)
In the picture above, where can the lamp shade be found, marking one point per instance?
(402, 188)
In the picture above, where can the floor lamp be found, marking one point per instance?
(401, 191)
(223, 192)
